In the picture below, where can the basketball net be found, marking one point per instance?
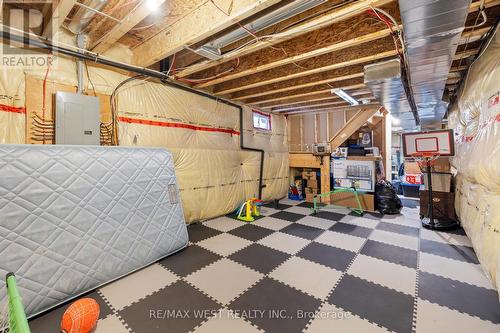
(425, 160)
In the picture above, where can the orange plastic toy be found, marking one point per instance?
(81, 316)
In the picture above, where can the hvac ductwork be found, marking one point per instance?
(387, 85)
(432, 30)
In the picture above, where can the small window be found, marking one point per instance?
(261, 120)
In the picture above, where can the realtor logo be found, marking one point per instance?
(27, 19)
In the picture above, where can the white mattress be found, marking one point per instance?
(75, 217)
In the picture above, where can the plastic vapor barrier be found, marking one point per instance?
(215, 175)
(476, 120)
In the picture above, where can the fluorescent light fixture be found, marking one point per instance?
(345, 96)
(152, 4)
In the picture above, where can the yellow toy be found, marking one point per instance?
(251, 208)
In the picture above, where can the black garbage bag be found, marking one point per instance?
(388, 201)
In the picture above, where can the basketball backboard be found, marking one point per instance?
(439, 142)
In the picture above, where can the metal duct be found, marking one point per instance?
(432, 30)
(212, 49)
(386, 84)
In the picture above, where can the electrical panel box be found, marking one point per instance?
(77, 119)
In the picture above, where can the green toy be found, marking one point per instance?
(316, 207)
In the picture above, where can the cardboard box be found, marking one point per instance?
(309, 197)
(412, 168)
(308, 174)
(313, 183)
(441, 182)
(311, 190)
(442, 165)
(349, 200)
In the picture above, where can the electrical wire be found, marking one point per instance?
(49, 62)
(88, 77)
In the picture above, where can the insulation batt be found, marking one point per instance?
(476, 120)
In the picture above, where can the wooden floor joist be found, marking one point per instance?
(312, 93)
(139, 13)
(336, 101)
(342, 14)
(59, 14)
(315, 53)
(362, 60)
(353, 93)
(305, 85)
(200, 24)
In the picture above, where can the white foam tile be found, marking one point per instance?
(224, 244)
(432, 318)
(224, 279)
(393, 238)
(445, 237)
(312, 278)
(299, 210)
(341, 240)
(284, 242)
(223, 223)
(316, 222)
(333, 319)
(272, 223)
(360, 221)
(454, 269)
(226, 321)
(131, 288)
(387, 274)
(110, 324)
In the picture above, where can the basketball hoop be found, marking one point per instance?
(425, 160)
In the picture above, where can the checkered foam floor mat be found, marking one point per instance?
(293, 272)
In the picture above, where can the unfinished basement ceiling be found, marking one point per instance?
(289, 63)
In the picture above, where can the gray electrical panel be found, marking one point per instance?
(77, 119)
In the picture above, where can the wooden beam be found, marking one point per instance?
(487, 4)
(59, 15)
(138, 14)
(355, 93)
(358, 120)
(317, 92)
(267, 92)
(304, 56)
(336, 102)
(473, 35)
(465, 54)
(314, 71)
(200, 24)
(305, 85)
(328, 110)
(341, 14)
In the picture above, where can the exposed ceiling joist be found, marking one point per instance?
(473, 35)
(200, 24)
(362, 60)
(345, 13)
(487, 4)
(274, 106)
(58, 16)
(289, 60)
(312, 93)
(305, 85)
(138, 14)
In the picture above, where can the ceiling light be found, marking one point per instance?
(152, 4)
(345, 96)
(395, 121)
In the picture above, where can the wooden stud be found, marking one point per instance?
(58, 16)
(315, 53)
(200, 24)
(352, 125)
(342, 14)
(131, 20)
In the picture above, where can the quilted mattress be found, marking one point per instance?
(73, 218)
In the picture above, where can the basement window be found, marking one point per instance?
(261, 120)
